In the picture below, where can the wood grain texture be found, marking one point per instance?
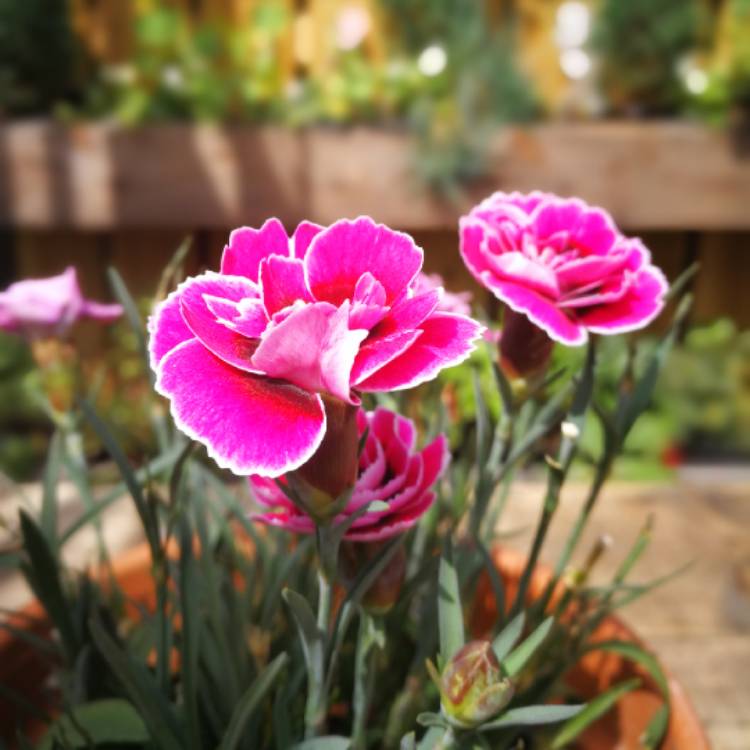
(660, 175)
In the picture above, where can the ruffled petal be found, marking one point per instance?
(408, 313)
(446, 340)
(247, 247)
(249, 424)
(397, 523)
(282, 282)
(378, 352)
(166, 329)
(233, 347)
(303, 236)
(642, 303)
(340, 254)
(314, 348)
(539, 310)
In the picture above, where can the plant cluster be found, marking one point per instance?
(358, 602)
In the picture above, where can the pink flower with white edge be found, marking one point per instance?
(391, 471)
(455, 302)
(563, 264)
(49, 307)
(247, 356)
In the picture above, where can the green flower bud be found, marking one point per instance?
(472, 686)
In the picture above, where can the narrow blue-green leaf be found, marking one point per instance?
(43, 574)
(527, 716)
(310, 635)
(517, 659)
(636, 401)
(243, 712)
(430, 719)
(152, 469)
(126, 470)
(131, 313)
(450, 612)
(508, 636)
(107, 722)
(48, 515)
(191, 624)
(631, 651)
(140, 687)
(594, 710)
(330, 742)
(656, 729)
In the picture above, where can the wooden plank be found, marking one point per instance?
(171, 176)
(650, 175)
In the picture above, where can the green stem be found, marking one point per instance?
(364, 679)
(317, 698)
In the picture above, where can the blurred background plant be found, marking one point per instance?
(451, 70)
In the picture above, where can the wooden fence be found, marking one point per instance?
(100, 194)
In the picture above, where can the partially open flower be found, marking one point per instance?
(36, 308)
(472, 686)
(392, 474)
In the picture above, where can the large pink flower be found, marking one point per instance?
(563, 264)
(50, 306)
(391, 471)
(244, 355)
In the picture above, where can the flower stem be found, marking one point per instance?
(317, 698)
(364, 679)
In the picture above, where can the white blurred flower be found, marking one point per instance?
(694, 77)
(172, 77)
(432, 60)
(575, 63)
(572, 24)
(352, 26)
(121, 75)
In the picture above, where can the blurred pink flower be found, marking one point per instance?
(562, 264)
(391, 471)
(49, 307)
(454, 302)
(244, 355)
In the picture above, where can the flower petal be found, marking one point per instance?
(313, 348)
(232, 346)
(642, 303)
(282, 282)
(247, 247)
(395, 524)
(249, 424)
(303, 236)
(539, 310)
(166, 329)
(378, 352)
(340, 254)
(446, 340)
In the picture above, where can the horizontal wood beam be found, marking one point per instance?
(650, 175)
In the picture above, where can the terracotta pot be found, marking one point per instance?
(622, 727)
(23, 669)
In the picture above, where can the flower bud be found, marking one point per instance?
(385, 589)
(332, 469)
(525, 349)
(472, 686)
